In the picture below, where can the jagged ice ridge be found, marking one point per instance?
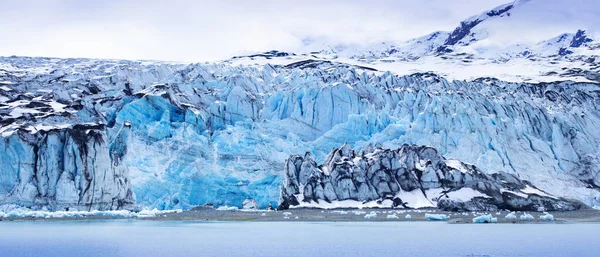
(102, 134)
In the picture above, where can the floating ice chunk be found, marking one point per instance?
(148, 213)
(392, 216)
(264, 214)
(485, 219)
(371, 215)
(287, 213)
(527, 217)
(27, 213)
(511, 216)
(408, 217)
(343, 212)
(547, 217)
(227, 208)
(436, 217)
(296, 217)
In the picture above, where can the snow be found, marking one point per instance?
(42, 127)
(456, 164)
(415, 199)
(58, 107)
(345, 204)
(530, 190)
(435, 217)
(514, 193)
(18, 112)
(465, 194)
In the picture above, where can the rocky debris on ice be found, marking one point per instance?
(408, 177)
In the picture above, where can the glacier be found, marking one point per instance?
(110, 134)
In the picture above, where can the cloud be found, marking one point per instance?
(211, 30)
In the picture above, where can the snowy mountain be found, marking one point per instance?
(409, 177)
(523, 41)
(112, 134)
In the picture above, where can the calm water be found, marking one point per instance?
(146, 238)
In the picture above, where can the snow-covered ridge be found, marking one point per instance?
(176, 135)
(522, 41)
(408, 177)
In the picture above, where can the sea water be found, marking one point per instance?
(224, 239)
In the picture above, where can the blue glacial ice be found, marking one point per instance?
(485, 219)
(547, 217)
(436, 217)
(173, 136)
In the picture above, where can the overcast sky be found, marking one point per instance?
(210, 30)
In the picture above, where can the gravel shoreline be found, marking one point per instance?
(358, 215)
(207, 214)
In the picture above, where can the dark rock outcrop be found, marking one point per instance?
(409, 177)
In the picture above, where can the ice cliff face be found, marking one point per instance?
(408, 177)
(94, 133)
(66, 169)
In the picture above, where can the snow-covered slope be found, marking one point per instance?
(176, 135)
(408, 177)
(522, 41)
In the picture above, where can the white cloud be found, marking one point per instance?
(209, 30)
